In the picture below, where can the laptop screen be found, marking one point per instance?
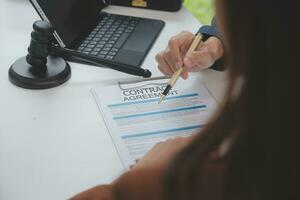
(71, 19)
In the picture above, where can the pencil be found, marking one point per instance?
(177, 74)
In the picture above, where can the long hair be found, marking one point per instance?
(260, 113)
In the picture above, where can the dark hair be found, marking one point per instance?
(261, 116)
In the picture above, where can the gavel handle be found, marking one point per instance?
(129, 69)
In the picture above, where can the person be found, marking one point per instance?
(208, 54)
(249, 149)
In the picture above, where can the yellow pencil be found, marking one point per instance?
(177, 74)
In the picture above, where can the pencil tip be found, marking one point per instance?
(161, 99)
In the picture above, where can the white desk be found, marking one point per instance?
(53, 143)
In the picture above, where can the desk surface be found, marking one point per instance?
(53, 143)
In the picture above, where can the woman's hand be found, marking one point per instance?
(162, 153)
(175, 56)
(157, 158)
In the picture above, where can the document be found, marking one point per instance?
(136, 121)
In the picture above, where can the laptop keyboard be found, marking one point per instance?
(108, 36)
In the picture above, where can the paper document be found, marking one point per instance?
(137, 122)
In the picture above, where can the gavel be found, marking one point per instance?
(45, 66)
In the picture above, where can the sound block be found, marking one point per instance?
(56, 72)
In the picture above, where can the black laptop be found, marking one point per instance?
(80, 25)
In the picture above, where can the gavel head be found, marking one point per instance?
(39, 48)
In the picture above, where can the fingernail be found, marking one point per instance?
(185, 75)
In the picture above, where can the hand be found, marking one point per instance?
(95, 193)
(174, 57)
(162, 153)
(159, 157)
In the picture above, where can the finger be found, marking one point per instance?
(162, 65)
(169, 61)
(184, 48)
(175, 54)
(185, 74)
(164, 71)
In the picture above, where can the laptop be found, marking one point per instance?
(81, 25)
